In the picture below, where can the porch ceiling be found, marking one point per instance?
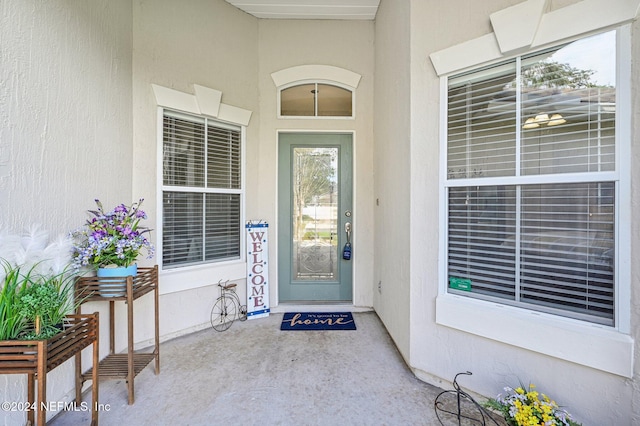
(309, 9)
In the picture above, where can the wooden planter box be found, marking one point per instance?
(37, 357)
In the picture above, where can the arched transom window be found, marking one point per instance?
(316, 91)
(316, 100)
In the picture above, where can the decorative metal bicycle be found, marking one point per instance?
(459, 408)
(227, 308)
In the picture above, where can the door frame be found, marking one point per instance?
(352, 134)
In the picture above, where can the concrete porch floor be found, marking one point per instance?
(255, 374)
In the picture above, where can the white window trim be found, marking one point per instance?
(576, 341)
(527, 26)
(600, 347)
(316, 72)
(205, 102)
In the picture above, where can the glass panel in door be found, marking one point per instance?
(315, 214)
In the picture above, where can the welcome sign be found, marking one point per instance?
(257, 269)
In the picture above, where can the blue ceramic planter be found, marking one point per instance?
(117, 286)
(122, 271)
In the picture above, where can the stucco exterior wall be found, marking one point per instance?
(66, 126)
(212, 44)
(392, 165)
(348, 45)
(632, 389)
(65, 110)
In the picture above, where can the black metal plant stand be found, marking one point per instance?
(449, 405)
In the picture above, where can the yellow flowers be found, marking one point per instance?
(528, 407)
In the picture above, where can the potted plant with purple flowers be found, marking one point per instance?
(112, 241)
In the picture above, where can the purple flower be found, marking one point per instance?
(112, 238)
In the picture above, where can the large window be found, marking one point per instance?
(202, 190)
(532, 181)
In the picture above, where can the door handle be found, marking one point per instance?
(347, 230)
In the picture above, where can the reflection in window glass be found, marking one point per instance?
(298, 101)
(481, 127)
(567, 113)
(314, 100)
(568, 108)
(333, 101)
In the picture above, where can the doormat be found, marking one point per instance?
(318, 321)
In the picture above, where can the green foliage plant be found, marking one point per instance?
(46, 302)
(32, 305)
(37, 284)
(12, 323)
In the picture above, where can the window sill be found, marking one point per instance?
(586, 344)
(190, 277)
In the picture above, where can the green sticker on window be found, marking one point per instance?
(460, 283)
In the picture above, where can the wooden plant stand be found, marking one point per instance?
(36, 358)
(128, 289)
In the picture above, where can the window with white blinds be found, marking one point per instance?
(202, 190)
(531, 181)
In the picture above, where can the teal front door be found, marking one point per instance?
(314, 217)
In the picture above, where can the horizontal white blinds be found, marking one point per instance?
(567, 126)
(555, 113)
(201, 223)
(550, 246)
(564, 243)
(182, 224)
(223, 158)
(481, 232)
(567, 248)
(222, 220)
(481, 127)
(187, 149)
(183, 152)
